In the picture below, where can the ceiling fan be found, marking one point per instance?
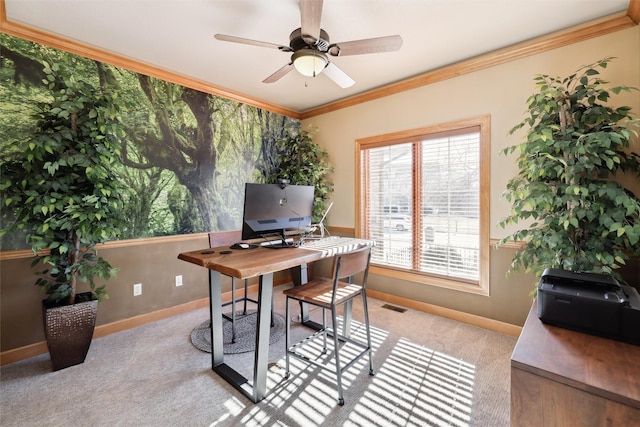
(311, 47)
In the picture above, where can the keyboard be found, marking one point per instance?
(334, 245)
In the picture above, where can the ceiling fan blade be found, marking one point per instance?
(338, 76)
(310, 14)
(234, 39)
(360, 47)
(279, 74)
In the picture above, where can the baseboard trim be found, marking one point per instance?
(143, 319)
(20, 353)
(460, 316)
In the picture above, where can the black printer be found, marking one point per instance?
(592, 303)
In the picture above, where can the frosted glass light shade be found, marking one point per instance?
(309, 62)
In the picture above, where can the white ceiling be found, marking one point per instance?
(177, 36)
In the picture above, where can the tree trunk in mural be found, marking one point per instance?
(273, 129)
(27, 70)
(204, 171)
(191, 158)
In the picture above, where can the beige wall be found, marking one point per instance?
(500, 91)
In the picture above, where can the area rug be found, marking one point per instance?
(245, 333)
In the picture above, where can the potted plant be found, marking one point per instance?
(304, 162)
(578, 218)
(62, 192)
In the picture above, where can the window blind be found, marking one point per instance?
(421, 203)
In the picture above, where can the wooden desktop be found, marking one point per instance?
(561, 377)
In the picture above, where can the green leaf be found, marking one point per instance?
(615, 226)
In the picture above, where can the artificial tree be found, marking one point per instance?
(578, 217)
(304, 162)
(61, 190)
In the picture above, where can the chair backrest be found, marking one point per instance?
(352, 263)
(224, 238)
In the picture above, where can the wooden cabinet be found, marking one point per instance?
(565, 378)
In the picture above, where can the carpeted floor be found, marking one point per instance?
(429, 371)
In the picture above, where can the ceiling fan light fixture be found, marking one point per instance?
(309, 62)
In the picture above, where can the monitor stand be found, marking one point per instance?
(277, 244)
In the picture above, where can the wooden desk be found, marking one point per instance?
(565, 378)
(260, 262)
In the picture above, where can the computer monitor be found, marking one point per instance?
(276, 210)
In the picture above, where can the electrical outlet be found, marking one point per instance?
(179, 280)
(137, 289)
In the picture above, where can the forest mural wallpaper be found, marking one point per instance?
(185, 156)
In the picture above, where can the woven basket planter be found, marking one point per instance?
(69, 330)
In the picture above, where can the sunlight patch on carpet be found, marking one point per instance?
(428, 388)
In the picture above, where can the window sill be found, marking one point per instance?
(432, 280)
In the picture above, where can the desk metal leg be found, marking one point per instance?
(346, 319)
(258, 390)
(304, 308)
(215, 307)
(265, 294)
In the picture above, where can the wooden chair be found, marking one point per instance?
(329, 294)
(228, 238)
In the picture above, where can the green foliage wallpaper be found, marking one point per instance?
(185, 156)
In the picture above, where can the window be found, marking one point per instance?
(424, 201)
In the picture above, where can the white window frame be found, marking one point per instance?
(481, 124)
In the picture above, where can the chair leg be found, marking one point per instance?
(324, 330)
(368, 330)
(287, 338)
(233, 310)
(272, 308)
(336, 351)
